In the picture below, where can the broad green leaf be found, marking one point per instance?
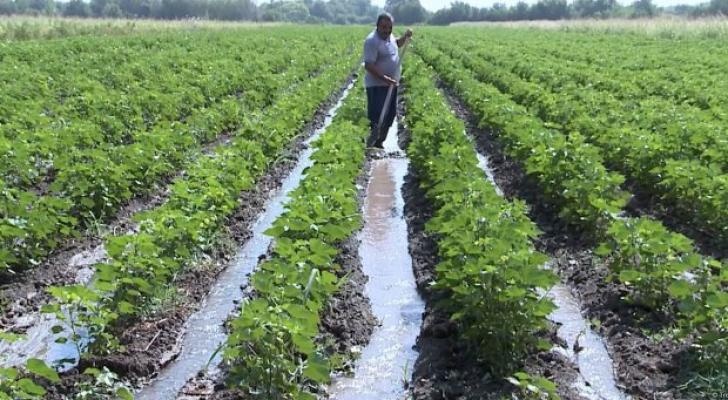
(124, 394)
(680, 289)
(717, 300)
(40, 368)
(317, 369)
(629, 276)
(30, 387)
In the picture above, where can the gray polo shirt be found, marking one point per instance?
(382, 53)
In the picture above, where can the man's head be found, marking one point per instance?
(384, 25)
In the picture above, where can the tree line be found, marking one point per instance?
(306, 11)
(349, 11)
(561, 9)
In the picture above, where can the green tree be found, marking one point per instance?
(499, 12)
(112, 10)
(22, 6)
(718, 7)
(550, 10)
(7, 7)
(319, 9)
(644, 8)
(77, 8)
(97, 6)
(461, 11)
(409, 12)
(520, 11)
(291, 11)
(45, 7)
(594, 8)
(232, 10)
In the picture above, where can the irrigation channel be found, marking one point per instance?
(595, 380)
(384, 368)
(204, 330)
(39, 340)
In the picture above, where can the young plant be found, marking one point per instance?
(643, 254)
(533, 387)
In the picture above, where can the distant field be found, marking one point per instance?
(25, 27)
(669, 27)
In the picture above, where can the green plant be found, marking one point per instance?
(272, 348)
(488, 266)
(105, 384)
(643, 254)
(533, 387)
(16, 385)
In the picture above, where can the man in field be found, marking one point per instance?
(381, 62)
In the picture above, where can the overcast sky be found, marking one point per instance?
(434, 5)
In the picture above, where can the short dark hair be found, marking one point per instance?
(385, 15)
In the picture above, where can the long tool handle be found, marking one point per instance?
(388, 99)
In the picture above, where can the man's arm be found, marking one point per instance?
(402, 39)
(377, 73)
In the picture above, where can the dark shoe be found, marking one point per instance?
(372, 139)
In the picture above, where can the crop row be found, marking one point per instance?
(666, 113)
(106, 96)
(640, 252)
(685, 71)
(681, 131)
(488, 264)
(92, 182)
(142, 264)
(136, 81)
(272, 348)
(697, 190)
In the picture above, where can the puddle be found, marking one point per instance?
(385, 365)
(595, 366)
(203, 331)
(39, 340)
(485, 166)
(85, 262)
(596, 374)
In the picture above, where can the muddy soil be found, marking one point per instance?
(348, 320)
(346, 323)
(25, 292)
(645, 368)
(445, 368)
(647, 203)
(155, 341)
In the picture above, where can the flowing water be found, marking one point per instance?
(596, 372)
(39, 341)
(204, 331)
(385, 364)
(595, 366)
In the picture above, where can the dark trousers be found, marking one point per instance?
(375, 103)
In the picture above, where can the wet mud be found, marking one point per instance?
(645, 368)
(446, 368)
(22, 294)
(346, 323)
(155, 341)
